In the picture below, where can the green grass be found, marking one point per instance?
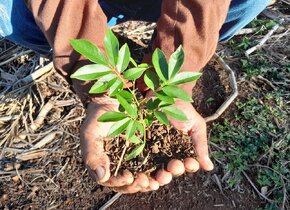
(256, 140)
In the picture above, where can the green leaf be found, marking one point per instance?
(143, 65)
(127, 95)
(131, 129)
(135, 140)
(112, 47)
(123, 58)
(134, 73)
(160, 64)
(118, 127)
(175, 62)
(176, 92)
(132, 111)
(151, 79)
(103, 84)
(116, 88)
(163, 103)
(161, 117)
(91, 72)
(174, 112)
(149, 120)
(140, 128)
(163, 97)
(89, 50)
(152, 104)
(135, 152)
(112, 117)
(133, 62)
(185, 77)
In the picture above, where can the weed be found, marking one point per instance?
(258, 140)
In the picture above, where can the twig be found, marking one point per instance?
(284, 196)
(263, 41)
(246, 31)
(234, 87)
(120, 161)
(15, 56)
(35, 75)
(111, 201)
(8, 118)
(286, 2)
(217, 180)
(32, 155)
(274, 15)
(47, 139)
(46, 109)
(25, 171)
(255, 188)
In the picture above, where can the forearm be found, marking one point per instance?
(63, 20)
(193, 23)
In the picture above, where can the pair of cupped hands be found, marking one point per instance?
(92, 136)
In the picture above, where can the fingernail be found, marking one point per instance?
(100, 172)
(210, 164)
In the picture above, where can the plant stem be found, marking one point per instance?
(123, 80)
(146, 99)
(144, 127)
(121, 159)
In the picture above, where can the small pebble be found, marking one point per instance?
(4, 197)
(15, 178)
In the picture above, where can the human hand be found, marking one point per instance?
(92, 136)
(196, 128)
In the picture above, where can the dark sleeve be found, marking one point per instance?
(193, 23)
(63, 20)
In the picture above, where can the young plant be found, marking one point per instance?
(135, 114)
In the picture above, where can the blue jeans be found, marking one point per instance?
(17, 23)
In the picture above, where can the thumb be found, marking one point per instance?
(98, 167)
(92, 136)
(95, 158)
(92, 149)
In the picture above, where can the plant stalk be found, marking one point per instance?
(121, 159)
(123, 80)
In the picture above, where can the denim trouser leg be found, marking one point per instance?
(241, 12)
(17, 23)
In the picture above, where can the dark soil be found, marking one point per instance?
(191, 191)
(73, 189)
(63, 183)
(163, 144)
(211, 89)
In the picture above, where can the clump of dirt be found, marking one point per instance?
(163, 144)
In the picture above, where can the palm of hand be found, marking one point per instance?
(98, 163)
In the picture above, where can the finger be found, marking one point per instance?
(141, 182)
(163, 177)
(175, 167)
(125, 178)
(191, 165)
(153, 185)
(98, 166)
(199, 139)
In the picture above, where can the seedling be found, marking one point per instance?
(113, 73)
